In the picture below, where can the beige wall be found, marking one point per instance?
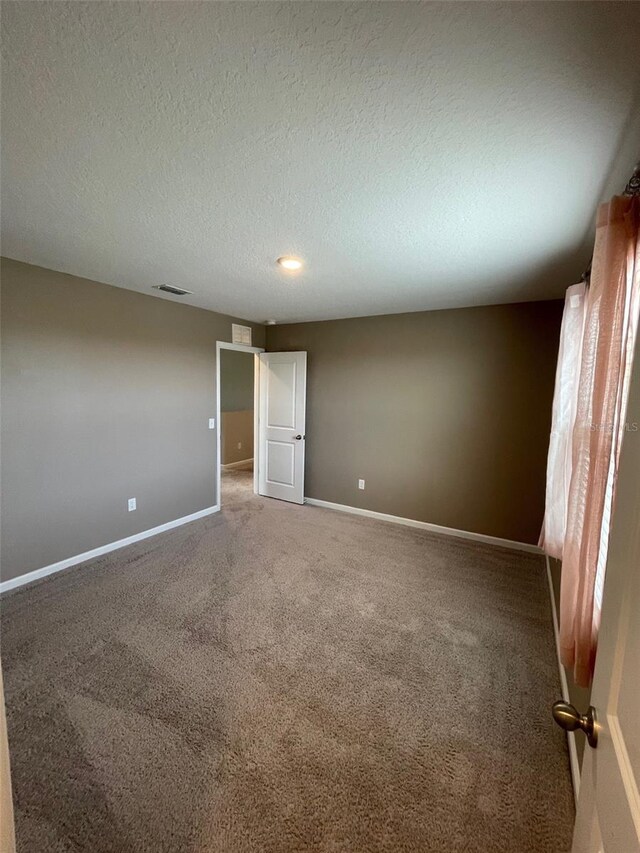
(445, 414)
(237, 428)
(106, 395)
(236, 380)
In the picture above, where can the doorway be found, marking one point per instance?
(261, 416)
(237, 414)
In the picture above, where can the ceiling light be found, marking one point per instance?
(289, 263)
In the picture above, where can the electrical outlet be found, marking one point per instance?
(131, 504)
(239, 445)
(212, 423)
(361, 484)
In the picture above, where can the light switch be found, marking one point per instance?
(361, 484)
(212, 423)
(131, 504)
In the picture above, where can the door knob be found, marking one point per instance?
(298, 437)
(571, 720)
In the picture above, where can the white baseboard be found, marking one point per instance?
(571, 736)
(424, 525)
(238, 464)
(35, 575)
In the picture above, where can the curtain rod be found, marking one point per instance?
(632, 188)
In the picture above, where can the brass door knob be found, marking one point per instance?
(571, 720)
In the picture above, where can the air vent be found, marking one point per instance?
(169, 288)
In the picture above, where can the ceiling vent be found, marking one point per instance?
(169, 288)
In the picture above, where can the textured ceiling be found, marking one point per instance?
(416, 155)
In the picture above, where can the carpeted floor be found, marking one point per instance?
(280, 678)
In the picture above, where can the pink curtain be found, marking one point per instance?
(610, 326)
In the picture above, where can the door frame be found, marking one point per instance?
(220, 345)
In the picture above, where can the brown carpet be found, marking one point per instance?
(282, 678)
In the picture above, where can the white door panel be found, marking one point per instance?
(281, 403)
(283, 380)
(608, 818)
(280, 463)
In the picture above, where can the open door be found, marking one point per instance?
(608, 818)
(283, 388)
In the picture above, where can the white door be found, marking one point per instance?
(608, 817)
(283, 387)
